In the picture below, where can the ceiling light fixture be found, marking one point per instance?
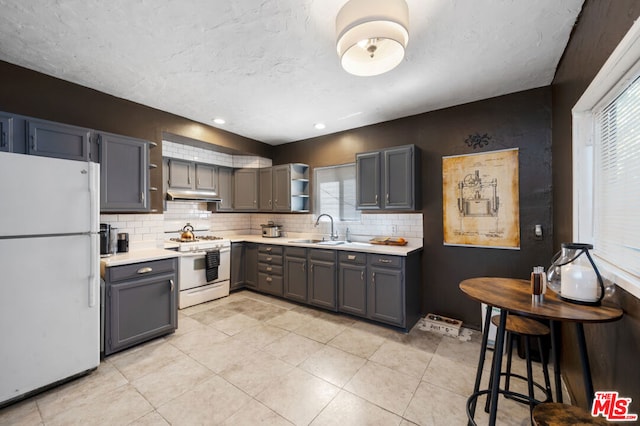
(219, 120)
(320, 126)
(372, 35)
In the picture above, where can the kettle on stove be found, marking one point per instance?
(187, 233)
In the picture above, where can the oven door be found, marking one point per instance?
(193, 267)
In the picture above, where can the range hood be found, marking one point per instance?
(191, 195)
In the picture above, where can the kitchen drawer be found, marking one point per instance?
(385, 261)
(272, 284)
(296, 251)
(352, 257)
(270, 269)
(269, 258)
(266, 248)
(319, 254)
(142, 269)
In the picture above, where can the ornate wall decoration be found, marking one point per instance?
(477, 140)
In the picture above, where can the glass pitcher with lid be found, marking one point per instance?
(574, 275)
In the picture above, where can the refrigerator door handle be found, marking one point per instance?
(94, 195)
(93, 278)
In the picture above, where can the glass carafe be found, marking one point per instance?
(574, 276)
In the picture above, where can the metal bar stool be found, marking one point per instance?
(524, 328)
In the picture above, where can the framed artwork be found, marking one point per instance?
(480, 200)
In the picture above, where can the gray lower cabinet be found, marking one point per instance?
(141, 303)
(295, 274)
(251, 265)
(383, 288)
(322, 278)
(6, 133)
(50, 139)
(237, 266)
(270, 262)
(124, 173)
(386, 296)
(245, 189)
(352, 283)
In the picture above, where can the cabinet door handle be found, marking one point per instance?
(33, 143)
(384, 260)
(373, 278)
(304, 267)
(387, 198)
(269, 259)
(269, 269)
(351, 256)
(312, 268)
(269, 279)
(171, 283)
(145, 270)
(4, 139)
(142, 196)
(376, 199)
(269, 249)
(361, 275)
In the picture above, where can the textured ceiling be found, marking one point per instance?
(269, 67)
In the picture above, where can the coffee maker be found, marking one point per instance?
(108, 239)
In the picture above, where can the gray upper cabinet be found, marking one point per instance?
(50, 139)
(399, 177)
(124, 173)
(181, 174)
(282, 188)
(245, 189)
(206, 177)
(6, 133)
(225, 189)
(266, 189)
(368, 180)
(388, 179)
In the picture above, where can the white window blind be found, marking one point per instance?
(335, 192)
(616, 199)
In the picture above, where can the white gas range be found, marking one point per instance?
(204, 268)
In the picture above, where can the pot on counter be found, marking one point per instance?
(270, 230)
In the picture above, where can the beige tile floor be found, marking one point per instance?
(250, 359)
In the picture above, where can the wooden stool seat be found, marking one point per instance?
(522, 325)
(527, 329)
(556, 414)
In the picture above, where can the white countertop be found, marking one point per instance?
(135, 256)
(354, 246)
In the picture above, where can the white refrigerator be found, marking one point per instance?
(49, 272)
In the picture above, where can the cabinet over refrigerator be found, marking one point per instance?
(49, 272)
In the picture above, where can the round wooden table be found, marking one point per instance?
(514, 295)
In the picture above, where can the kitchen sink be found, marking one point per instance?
(330, 243)
(306, 241)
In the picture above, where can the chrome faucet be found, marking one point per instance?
(333, 236)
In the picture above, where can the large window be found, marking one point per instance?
(335, 192)
(606, 165)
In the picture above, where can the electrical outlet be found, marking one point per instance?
(394, 229)
(537, 232)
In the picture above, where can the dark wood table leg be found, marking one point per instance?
(483, 354)
(497, 366)
(584, 360)
(555, 351)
